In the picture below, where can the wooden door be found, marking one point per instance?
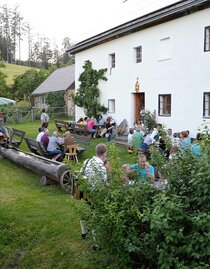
(139, 104)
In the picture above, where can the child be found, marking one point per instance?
(127, 175)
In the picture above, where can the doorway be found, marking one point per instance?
(139, 104)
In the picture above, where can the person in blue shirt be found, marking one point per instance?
(143, 169)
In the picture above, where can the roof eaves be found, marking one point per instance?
(170, 12)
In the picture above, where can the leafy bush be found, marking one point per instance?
(141, 226)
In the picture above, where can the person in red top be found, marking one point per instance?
(90, 126)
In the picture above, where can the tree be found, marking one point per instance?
(87, 96)
(26, 83)
(55, 99)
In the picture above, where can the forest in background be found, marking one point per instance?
(41, 53)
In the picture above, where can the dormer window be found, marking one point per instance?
(207, 39)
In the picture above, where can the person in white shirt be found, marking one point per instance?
(95, 170)
(44, 118)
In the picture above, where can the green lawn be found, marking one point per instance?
(13, 70)
(39, 226)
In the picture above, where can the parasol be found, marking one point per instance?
(6, 102)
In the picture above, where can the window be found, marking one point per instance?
(164, 105)
(112, 60)
(164, 49)
(206, 104)
(111, 105)
(138, 54)
(207, 39)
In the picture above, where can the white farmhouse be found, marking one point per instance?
(168, 53)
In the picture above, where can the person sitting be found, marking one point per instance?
(175, 140)
(195, 147)
(143, 169)
(185, 140)
(45, 138)
(4, 134)
(54, 142)
(40, 134)
(68, 140)
(101, 120)
(110, 124)
(170, 134)
(137, 140)
(126, 176)
(90, 126)
(139, 126)
(80, 121)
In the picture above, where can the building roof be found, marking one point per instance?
(60, 80)
(171, 12)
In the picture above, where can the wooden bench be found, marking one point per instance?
(37, 148)
(67, 125)
(15, 137)
(81, 139)
(80, 129)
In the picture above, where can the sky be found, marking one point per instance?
(80, 19)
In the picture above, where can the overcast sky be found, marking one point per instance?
(80, 19)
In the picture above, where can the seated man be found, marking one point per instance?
(143, 169)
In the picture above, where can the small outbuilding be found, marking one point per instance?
(60, 81)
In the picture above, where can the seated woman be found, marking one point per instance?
(54, 142)
(90, 126)
(68, 140)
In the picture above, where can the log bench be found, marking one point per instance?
(80, 129)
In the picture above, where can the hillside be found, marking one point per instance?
(13, 70)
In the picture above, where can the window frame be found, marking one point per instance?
(206, 108)
(111, 106)
(112, 60)
(138, 55)
(207, 28)
(163, 107)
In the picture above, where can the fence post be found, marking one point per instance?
(33, 113)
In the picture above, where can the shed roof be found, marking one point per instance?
(60, 80)
(171, 12)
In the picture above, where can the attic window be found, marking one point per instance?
(138, 54)
(207, 39)
(112, 60)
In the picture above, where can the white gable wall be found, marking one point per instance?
(184, 74)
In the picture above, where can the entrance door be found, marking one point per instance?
(139, 104)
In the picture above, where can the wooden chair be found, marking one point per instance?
(72, 152)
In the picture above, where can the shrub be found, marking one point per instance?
(145, 227)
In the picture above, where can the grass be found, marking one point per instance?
(12, 71)
(39, 226)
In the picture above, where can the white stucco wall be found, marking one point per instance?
(185, 75)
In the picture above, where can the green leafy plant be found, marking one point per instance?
(141, 226)
(87, 96)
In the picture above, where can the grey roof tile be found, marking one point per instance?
(60, 80)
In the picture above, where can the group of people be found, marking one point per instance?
(97, 169)
(99, 128)
(167, 141)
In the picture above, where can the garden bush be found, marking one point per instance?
(141, 226)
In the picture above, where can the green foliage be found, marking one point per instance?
(141, 226)
(55, 99)
(26, 83)
(149, 119)
(3, 85)
(87, 96)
